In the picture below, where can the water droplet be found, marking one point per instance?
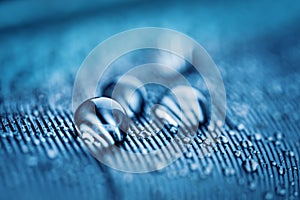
(173, 129)
(250, 165)
(269, 196)
(101, 119)
(241, 127)
(291, 154)
(257, 136)
(253, 185)
(189, 154)
(270, 139)
(231, 132)
(187, 140)
(281, 191)
(208, 169)
(51, 153)
(224, 139)
(188, 105)
(273, 163)
(246, 143)
(229, 171)
(32, 161)
(237, 153)
(128, 92)
(292, 183)
(278, 135)
(194, 166)
(281, 170)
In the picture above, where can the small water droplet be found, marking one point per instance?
(241, 127)
(281, 191)
(189, 154)
(269, 195)
(246, 143)
(194, 166)
(270, 139)
(273, 163)
(250, 165)
(187, 140)
(231, 132)
(208, 169)
(173, 129)
(32, 161)
(253, 185)
(278, 135)
(257, 136)
(291, 154)
(51, 153)
(229, 171)
(292, 183)
(101, 119)
(237, 153)
(224, 139)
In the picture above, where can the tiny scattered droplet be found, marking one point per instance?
(194, 166)
(252, 185)
(273, 163)
(270, 139)
(241, 127)
(250, 165)
(51, 153)
(229, 171)
(208, 169)
(269, 196)
(257, 136)
(32, 161)
(246, 143)
(224, 139)
(189, 154)
(281, 191)
(291, 154)
(281, 170)
(292, 183)
(278, 135)
(187, 140)
(231, 132)
(237, 153)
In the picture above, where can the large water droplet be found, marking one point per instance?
(101, 120)
(187, 104)
(250, 165)
(128, 91)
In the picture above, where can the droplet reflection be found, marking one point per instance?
(102, 121)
